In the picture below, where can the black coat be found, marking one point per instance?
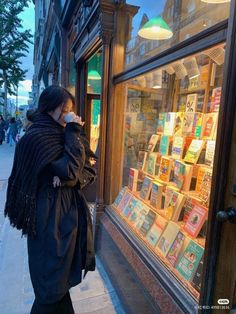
(63, 245)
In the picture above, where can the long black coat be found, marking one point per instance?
(63, 246)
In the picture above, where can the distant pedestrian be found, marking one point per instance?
(2, 129)
(12, 131)
(29, 119)
(45, 201)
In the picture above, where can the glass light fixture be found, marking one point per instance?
(155, 29)
(191, 67)
(215, 1)
(157, 79)
(94, 75)
(180, 70)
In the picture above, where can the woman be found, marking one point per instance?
(2, 129)
(12, 131)
(45, 201)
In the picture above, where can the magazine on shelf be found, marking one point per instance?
(173, 203)
(197, 125)
(165, 169)
(146, 188)
(167, 238)
(133, 217)
(119, 197)
(179, 173)
(148, 222)
(194, 151)
(178, 147)
(196, 219)
(190, 260)
(125, 200)
(127, 211)
(141, 216)
(164, 145)
(156, 230)
(156, 194)
(176, 248)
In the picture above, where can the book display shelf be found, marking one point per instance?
(170, 130)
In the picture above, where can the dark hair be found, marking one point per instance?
(12, 120)
(1, 117)
(52, 97)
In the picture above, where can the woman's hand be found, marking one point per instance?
(72, 117)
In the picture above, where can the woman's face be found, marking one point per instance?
(59, 113)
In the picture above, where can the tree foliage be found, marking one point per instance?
(14, 44)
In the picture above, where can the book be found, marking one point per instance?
(170, 123)
(179, 173)
(191, 102)
(141, 216)
(146, 188)
(209, 125)
(142, 157)
(190, 260)
(188, 123)
(176, 248)
(197, 277)
(156, 194)
(215, 99)
(165, 169)
(119, 197)
(203, 187)
(164, 145)
(168, 237)
(195, 220)
(130, 207)
(173, 203)
(125, 200)
(151, 164)
(197, 125)
(188, 207)
(202, 171)
(161, 122)
(153, 143)
(148, 222)
(187, 178)
(203, 78)
(210, 153)
(179, 120)
(156, 230)
(133, 217)
(178, 147)
(133, 179)
(194, 151)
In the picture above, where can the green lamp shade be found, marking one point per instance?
(215, 1)
(155, 29)
(94, 75)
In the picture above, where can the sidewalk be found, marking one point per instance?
(94, 295)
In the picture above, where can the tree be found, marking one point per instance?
(13, 46)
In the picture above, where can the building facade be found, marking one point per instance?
(154, 82)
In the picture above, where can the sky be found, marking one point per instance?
(27, 62)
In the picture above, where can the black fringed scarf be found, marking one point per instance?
(42, 144)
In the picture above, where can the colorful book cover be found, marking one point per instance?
(165, 169)
(164, 145)
(197, 125)
(156, 195)
(188, 123)
(178, 147)
(187, 208)
(174, 202)
(187, 178)
(215, 99)
(170, 123)
(142, 157)
(119, 197)
(148, 222)
(130, 207)
(209, 125)
(191, 103)
(197, 278)
(146, 188)
(153, 143)
(156, 230)
(133, 179)
(125, 200)
(204, 74)
(168, 237)
(176, 248)
(141, 217)
(194, 151)
(161, 122)
(203, 172)
(133, 217)
(210, 153)
(179, 173)
(190, 260)
(151, 165)
(196, 220)
(179, 120)
(205, 187)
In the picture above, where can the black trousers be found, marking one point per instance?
(64, 306)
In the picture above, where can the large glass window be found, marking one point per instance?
(170, 130)
(158, 25)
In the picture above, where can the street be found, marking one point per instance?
(94, 295)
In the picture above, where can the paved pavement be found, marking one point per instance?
(94, 295)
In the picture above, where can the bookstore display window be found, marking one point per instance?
(170, 129)
(159, 25)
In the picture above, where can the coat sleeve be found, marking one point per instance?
(70, 166)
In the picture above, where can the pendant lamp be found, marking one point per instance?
(215, 1)
(94, 75)
(157, 79)
(192, 67)
(155, 29)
